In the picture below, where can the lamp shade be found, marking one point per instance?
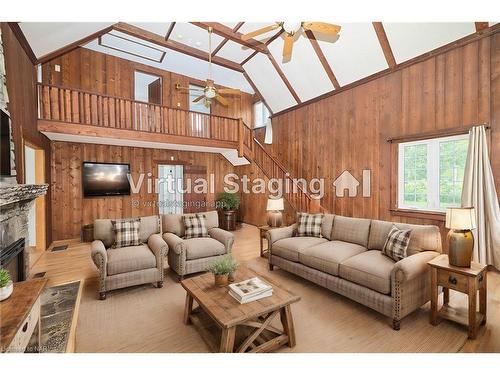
(275, 204)
(461, 218)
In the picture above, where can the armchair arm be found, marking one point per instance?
(99, 256)
(223, 236)
(412, 266)
(174, 242)
(277, 234)
(157, 245)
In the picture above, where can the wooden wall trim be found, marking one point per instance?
(438, 51)
(384, 43)
(21, 38)
(481, 25)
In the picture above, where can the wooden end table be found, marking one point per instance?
(464, 280)
(263, 230)
(241, 327)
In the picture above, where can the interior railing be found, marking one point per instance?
(76, 106)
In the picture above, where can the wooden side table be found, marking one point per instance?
(263, 230)
(464, 280)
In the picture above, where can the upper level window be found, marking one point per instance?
(261, 114)
(147, 88)
(199, 106)
(431, 173)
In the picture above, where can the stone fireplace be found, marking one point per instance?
(15, 204)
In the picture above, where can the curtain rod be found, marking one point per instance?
(435, 134)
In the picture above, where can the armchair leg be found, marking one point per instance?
(271, 267)
(159, 284)
(180, 278)
(396, 324)
(102, 296)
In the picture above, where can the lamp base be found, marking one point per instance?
(274, 219)
(460, 247)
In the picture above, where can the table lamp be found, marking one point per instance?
(274, 208)
(460, 221)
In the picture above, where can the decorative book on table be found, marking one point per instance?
(250, 290)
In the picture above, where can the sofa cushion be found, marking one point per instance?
(149, 225)
(327, 225)
(195, 226)
(131, 258)
(423, 237)
(327, 256)
(397, 243)
(212, 219)
(371, 269)
(103, 231)
(350, 229)
(203, 247)
(172, 223)
(309, 225)
(126, 232)
(289, 248)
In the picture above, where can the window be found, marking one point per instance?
(194, 92)
(147, 88)
(431, 173)
(261, 114)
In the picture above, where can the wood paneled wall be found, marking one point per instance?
(21, 85)
(94, 71)
(349, 130)
(71, 210)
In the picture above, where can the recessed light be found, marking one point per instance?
(198, 44)
(179, 36)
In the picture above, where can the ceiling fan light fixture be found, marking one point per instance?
(292, 27)
(210, 92)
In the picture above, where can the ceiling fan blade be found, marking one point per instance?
(222, 101)
(321, 27)
(287, 47)
(260, 31)
(229, 91)
(198, 98)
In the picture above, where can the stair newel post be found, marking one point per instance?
(241, 134)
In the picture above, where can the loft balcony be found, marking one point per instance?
(73, 115)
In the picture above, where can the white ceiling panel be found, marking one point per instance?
(356, 54)
(194, 36)
(409, 40)
(234, 51)
(46, 37)
(179, 63)
(269, 83)
(251, 26)
(304, 70)
(159, 28)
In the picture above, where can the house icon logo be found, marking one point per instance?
(346, 181)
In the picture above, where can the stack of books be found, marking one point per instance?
(250, 290)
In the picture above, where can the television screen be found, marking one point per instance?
(5, 144)
(105, 179)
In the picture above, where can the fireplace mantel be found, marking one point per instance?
(19, 193)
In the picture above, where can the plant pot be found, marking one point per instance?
(231, 276)
(228, 219)
(7, 290)
(221, 280)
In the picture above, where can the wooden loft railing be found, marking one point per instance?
(83, 107)
(298, 198)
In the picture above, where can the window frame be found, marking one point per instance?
(433, 173)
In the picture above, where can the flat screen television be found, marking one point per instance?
(105, 179)
(5, 144)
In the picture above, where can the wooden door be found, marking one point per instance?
(154, 92)
(194, 201)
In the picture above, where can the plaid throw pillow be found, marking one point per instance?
(397, 243)
(126, 232)
(195, 226)
(309, 225)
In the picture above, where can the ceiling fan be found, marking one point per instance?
(210, 92)
(292, 28)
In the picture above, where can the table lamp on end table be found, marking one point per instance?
(274, 215)
(460, 221)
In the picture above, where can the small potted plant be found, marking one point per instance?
(6, 285)
(228, 204)
(221, 269)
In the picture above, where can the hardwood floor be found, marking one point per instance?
(75, 263)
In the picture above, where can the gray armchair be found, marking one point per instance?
(192, 255)
(128, 266)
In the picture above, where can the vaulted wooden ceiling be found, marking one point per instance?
(317, 66)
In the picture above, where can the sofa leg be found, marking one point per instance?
(271, 267)
(180, 278)
(102, 296)
(159, 284)
(396, 324)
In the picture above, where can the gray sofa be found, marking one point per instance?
(187, 256)
(347, 259)
(132, 265)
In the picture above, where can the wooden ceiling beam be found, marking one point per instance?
(169, 31)
(175, 46)
(257, 92)
(21, 38)
(70, 47)
(228, 33)
(283, 78)
(223, 43)
(322, 59)
(269, 41)
(384, 43)
(480, 26)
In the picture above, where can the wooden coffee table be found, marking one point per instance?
(228, 326)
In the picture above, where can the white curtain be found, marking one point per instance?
(268, 139)
(479, 192)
